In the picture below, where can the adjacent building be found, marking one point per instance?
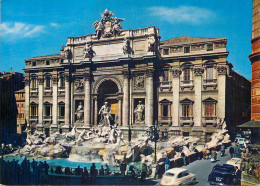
(185, 83)
(9, 83)
(20, 105)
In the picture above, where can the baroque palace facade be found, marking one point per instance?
(185, 83)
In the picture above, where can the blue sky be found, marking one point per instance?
(36, 28)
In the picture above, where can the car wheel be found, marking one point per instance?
(193, 181)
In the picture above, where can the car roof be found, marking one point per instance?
(176, 170)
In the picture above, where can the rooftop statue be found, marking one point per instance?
(108, 26)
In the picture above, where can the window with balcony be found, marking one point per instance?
(187, 109)
(186, 75)
(165, 114)
(209, 109)
(34, 111)
(47, 110)
(209, 73)
(61, 110)
(48, 82)
(62, 81)
(34, 82)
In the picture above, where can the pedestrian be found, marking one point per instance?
(222, 150)
(213, 155)
(231, 151)
(46, 167)
(183, 158)
(93, 173)
(157, 170)
(237, 176)
(123, 168)
(143, 172)
(84, 177)
(107, 169)
(204, 152)
(132, 169)
(77, 171)
(102, 171)
(207, 153)
(167, 163)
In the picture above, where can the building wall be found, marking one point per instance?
(20, 104)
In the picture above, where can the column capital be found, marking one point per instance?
(126, 74)
(222, 70)
(27, 81)
(55, 80)
(86, 76)
(176, 73)
(40, 80)
(149, 72)
(198, 71)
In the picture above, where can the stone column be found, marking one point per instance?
(119, 111)
(222, 70)
(198, 99)
(67, 102)
(40, 106)
(176, 97)
(149, 98)
(96, 111)
(126, 99)
(55, 102)
(87, 101)
(27, 101)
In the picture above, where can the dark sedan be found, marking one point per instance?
(220, 178)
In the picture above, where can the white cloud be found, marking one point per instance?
(20, 30)
(54, 24)
(183, 14)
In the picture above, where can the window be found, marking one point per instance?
(209, 73)
(165, 75)
(47, 109)
(48, 82)
(209, 109)
(209, 47)
(61, 109)
(34, 83)
(33, 109)
(186, 110)
(165, 106)
(186, 49)
(34, 63)
(186, 76)
(166, 51)
(62, 81)
(47, 62)
(165, 110)
(186, 134)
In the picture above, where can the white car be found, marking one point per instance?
(177, 176)
(241, 141)
(235, 162)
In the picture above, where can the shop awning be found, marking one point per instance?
(250, 124)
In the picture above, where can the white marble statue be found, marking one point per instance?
(80, 112)
(105, 113)
(139, 112)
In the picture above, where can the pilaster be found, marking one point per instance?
(87, 102)
(27, 99)
(149, 97)
(67, 102)
(40, 96)
(176, 97)
(126, 99)
(222, 71)
(55, 102)
(198, 72)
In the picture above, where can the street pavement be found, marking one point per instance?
(202, 168)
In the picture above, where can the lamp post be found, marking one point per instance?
(154, 136)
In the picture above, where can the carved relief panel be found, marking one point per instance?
(78, 85)
(139, 81)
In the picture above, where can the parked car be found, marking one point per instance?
(235, 162)
(241, 140)
(220, 178)
(177, 176)
(225, 168)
